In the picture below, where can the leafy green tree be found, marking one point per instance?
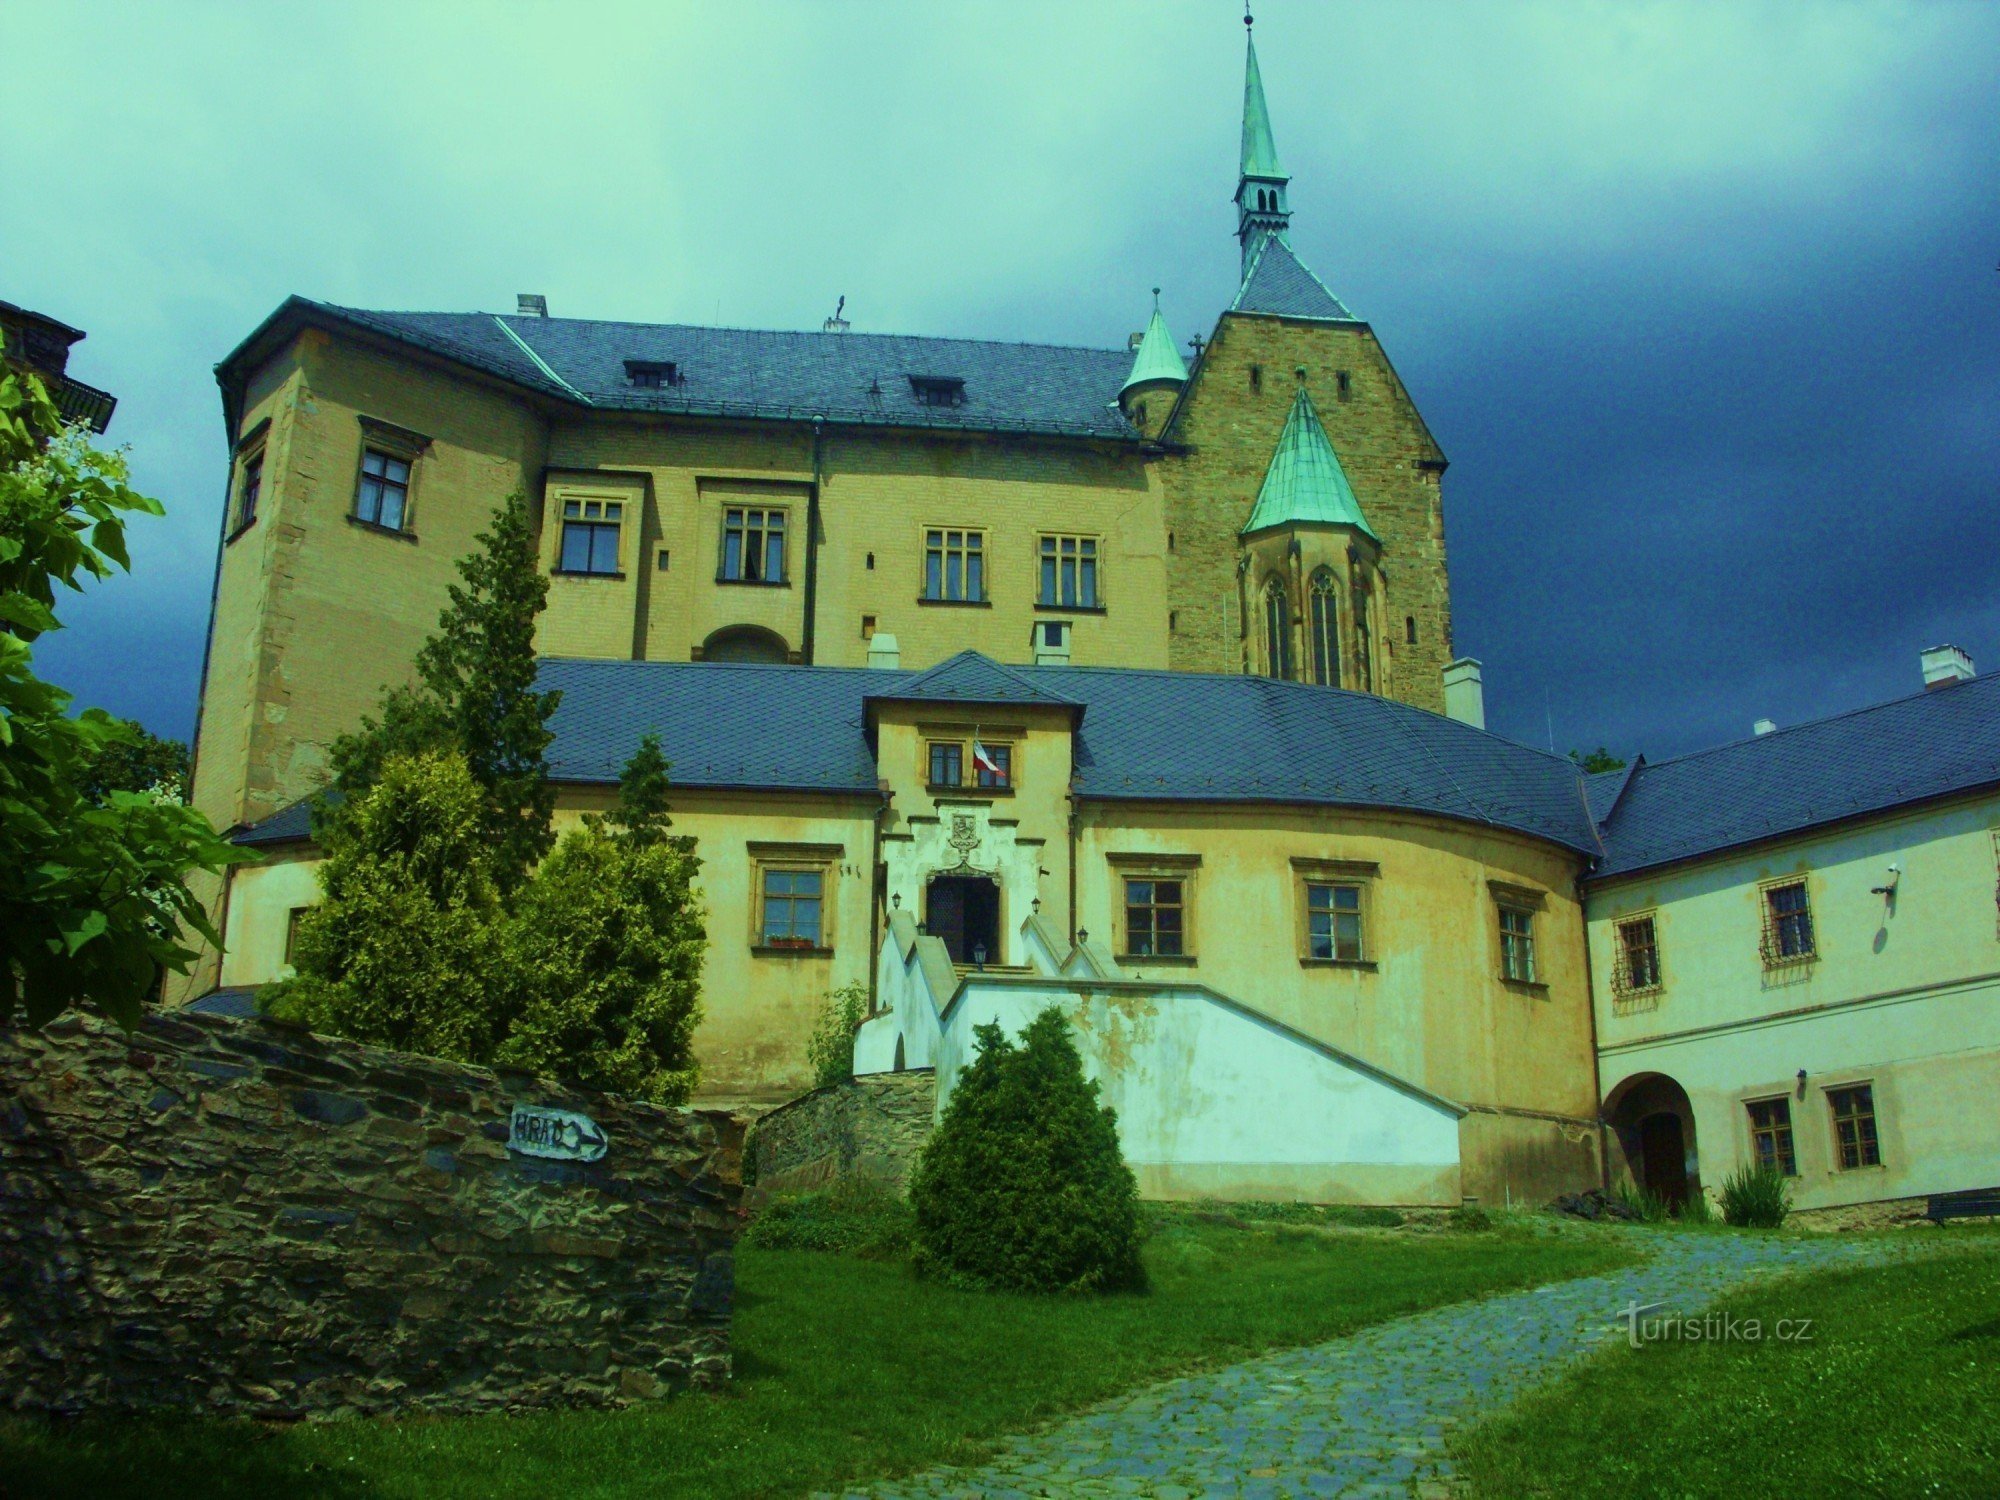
(475, 690)
(1022, 1186)
(404, 951)
(830, 1048)
(139, 764)
(1597, 760)
(93, 893)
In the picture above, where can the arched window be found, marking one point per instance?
(745, 643)
(1277, 632)
(1364, 645)
(1324, 620)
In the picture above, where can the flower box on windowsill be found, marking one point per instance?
(790, 948)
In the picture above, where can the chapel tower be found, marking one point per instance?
(1304, 519)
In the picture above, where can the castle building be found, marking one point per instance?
(997, 677)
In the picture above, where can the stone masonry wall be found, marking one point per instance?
(252, 1220)
(870, 1126)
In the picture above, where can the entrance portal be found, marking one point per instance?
(1653, 1125)
(1663, 1157)
(964, 910)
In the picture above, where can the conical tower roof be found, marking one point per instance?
(1305, 483)
(1260, 152)
(1157, 358)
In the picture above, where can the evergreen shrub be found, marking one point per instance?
(1022, 1186)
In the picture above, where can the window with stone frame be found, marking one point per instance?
(981, 761)
(954, 566)
(1155, 916)
(1856, 1143)
(590, 536)
(1636, 961)
(753, 545)
(249, 488)
(793, 890)
(1332, 901)
(1788, 936)
(1068, 572)
(1771, 1134)
(1277, 632)
(1323, 619)
(382, 494)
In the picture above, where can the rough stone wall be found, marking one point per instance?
(872, 1126)
(1230, 429)
(251, 1220)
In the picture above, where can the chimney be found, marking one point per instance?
(1052, 643)
(882, 651)
(1133, 341)
(531, 305)
(1762, 727)
(1945, 665)
(1465, 693)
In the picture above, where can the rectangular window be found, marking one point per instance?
(590, 536)
(384, 491)
(292, 931)
(1517, 944)
(1854, 1126)
(652, 374)
(1155, 917)
(1333, 921)
(753, 546)
(937, 390)
(993, 765)
(1638, 956)
(1069, 572)
(792, 907)
(1788, 924)
(1771, 1134)
(947, 763)
(955, 566)
(249, 490)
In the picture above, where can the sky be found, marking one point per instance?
(1701, 301)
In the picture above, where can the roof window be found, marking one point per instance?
(938, 390)
(653, 374)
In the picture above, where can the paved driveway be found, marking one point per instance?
(1365, 1414)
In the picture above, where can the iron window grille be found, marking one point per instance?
(590, 536)
(382, 498)
(1788, 925)
(1155, 918)
(753, 546)
(1069, 572)
(1771, 1135)
(955, 566)
(1854, 1133)
(1637, 967)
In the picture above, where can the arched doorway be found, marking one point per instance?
(750, 643)
(1652, 1122)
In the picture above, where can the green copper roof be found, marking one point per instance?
(1305, 483)
(1260, 152)
(1157, 359)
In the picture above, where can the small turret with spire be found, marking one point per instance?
(1261, 182)
(1158, 373)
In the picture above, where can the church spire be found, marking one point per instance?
(1261, 182)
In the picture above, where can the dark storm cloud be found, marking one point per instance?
(1700, 301)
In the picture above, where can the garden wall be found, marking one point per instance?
(870, 1126)
(247, 1219)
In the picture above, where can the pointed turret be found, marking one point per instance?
(1260, 187)
(1158, 373)
(1305, 485)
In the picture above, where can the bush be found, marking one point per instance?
(1468, 1218)
(856, 1216)
(1022, 1186)
(1756, 1198)
(830, 1048)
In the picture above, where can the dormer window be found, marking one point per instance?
(938, 390)
(652, 374)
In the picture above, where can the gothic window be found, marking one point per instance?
(1277, 632)
(1325, 623)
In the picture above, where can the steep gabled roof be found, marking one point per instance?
(1305, 484)
(1930, 744)
(1278, 283)
(850, 378)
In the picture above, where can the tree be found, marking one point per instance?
(404, 951)
(1022, 1185)
(138, 764)
(830, 1048)
(93, 893)
(1597, 760)
(475, 689)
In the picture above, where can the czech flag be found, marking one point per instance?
(983, 758)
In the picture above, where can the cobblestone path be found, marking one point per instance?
(1365, 1414)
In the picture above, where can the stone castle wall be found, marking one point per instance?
(872, 1126)
(251, 1220)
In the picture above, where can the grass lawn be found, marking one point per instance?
(1896, 1393)
(845, 1368)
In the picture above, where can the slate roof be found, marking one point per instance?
(1279, 283)
(853, 378)
(1930, 744)
(287, 825)
(971, 677)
